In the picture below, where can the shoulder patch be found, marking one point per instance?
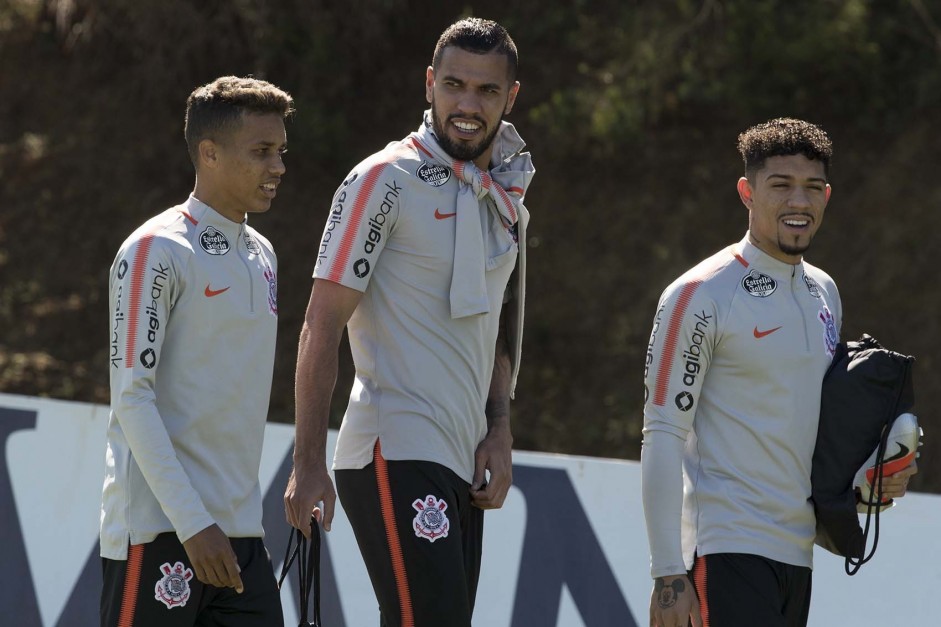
(252, 244)
(812, 286)
(758, 284)
(433, 174)
(213, 241)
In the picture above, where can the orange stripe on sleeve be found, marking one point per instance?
(669, 343)
(135, 558)
(134, 304)
(356, 216)
(418, 145)
(699, 577)
(395, 549)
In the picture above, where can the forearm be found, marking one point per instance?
(662, 488)
(315, 380)
(497, 408)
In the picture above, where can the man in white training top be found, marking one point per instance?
(733, 378)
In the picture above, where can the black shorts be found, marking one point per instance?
(156, 586)
(420, 538)
(742, 590)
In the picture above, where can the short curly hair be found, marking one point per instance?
(213, 109)
(480, 37)
(782, 137)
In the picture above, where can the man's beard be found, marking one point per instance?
(460, 150)
(796, 249)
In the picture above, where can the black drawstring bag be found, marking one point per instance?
(308, 570)
(864, 390)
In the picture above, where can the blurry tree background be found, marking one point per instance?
(631, 109)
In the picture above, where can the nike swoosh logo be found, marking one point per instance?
(903, 451)
(443, 216)
(761, 334)
(889, 465)
(211, 292)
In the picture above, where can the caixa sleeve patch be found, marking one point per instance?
(430, 521)
(173, 589)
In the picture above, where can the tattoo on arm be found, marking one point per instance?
(667, 595)
(498, 399)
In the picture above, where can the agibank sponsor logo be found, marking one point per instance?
(335, 218)
(653, 338)
(117, 321)
(693, 353)
(160, 273)
(378, 219)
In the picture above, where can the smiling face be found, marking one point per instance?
(786, 200)
(240, 172)
(469, 95)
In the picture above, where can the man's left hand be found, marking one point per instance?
(494, 453)
(894, 486)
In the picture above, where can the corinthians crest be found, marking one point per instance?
(430, 522)
(173, 589)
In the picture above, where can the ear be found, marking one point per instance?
(745, 192)
(827, 197)
(429, 84)
(208, 153)
(511, 97)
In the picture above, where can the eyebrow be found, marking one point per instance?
(462, 82)
(788, 177)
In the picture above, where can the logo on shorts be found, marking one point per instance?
(213, 242)
(122, 268)
(430, 522)
(433, 174)
(173, 589)
(758, 284)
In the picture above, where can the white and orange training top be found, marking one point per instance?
(733, 375)
(193, 301)
(422, 378)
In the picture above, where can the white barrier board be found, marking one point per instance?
(569, 548)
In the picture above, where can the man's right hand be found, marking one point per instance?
(213, 559)
(673, 603)
(305, 490)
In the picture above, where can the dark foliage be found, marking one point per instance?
(631, 109)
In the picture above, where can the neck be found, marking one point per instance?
(483, 161)
(774, 253)
(209, 195)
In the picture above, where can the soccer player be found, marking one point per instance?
(420, 246)
(193, 299)
(733, 378)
